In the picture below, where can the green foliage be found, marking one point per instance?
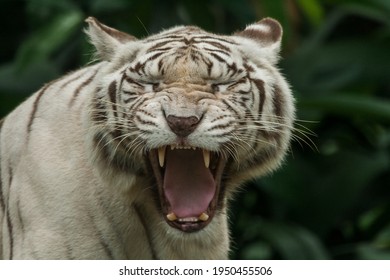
(330, 200)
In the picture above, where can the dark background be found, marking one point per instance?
(330, 200)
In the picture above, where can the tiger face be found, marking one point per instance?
(193, 113)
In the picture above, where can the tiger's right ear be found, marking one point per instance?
(267, 33)
(106, 39)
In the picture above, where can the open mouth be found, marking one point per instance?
(189, 185)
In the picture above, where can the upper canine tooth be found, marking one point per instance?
(161, 155)
(171, 217)
(206, 158)
(203, 217)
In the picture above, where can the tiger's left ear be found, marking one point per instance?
(106, 40)
(266, 32)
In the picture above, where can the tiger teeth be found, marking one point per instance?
(171, 217)
(203, 217)
(161, 155)
(188, 220)
(206, 158)
(177, 147)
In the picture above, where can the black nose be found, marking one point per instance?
(182, 126)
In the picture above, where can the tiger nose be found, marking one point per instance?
(182, 126)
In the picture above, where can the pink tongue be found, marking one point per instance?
(188, 185)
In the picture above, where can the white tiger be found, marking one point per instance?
(137, 157)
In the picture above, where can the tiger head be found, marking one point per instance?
(194, 113)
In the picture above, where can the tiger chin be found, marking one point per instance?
(138, 155)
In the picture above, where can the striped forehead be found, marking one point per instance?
(191, 49)
(188, 37)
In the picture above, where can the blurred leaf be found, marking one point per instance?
(257, 251)
(313, 10)
(289, 241)
(383, 238)
(349, 105)
(369, 252)
(41, 10)
(375, 10)
(320, 204)
(332, 66)
(34, 75)
(367, 220)
(42, 43)
(99, 6)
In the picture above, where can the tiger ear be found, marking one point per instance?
(266, 32)
(106, 39)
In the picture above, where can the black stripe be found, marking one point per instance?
(112, 95)
(131, 81)
(231, 108)
(208, 39)
(128, 100)
(219, 58)
(262, 158)
(138, 68)
(140, 120)
(260, 86)
(233, 67)
(11, 237)
(117, 161)
(221, 126)
(112, 90)
(153, 57)
(81, 86)
(2, 206)
(100, 141)
(260, 129)
(35, 107)
(158, 46)
(20, 217)
(106, 211)
(99, 234)
(105, 246)
(9, 222)
(209, 64)
(277, 101)
(134, 107)
(217, 51)
(69, 251)
(160, 67)
(148, 236)
(220, 46)
(99, 114)
(146, 113)
(71, 79)
(248, 68)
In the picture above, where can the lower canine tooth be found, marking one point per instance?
(171, 217)
(206, 158)
(203, 217)
(161, 156)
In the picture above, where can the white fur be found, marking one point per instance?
(63, 201)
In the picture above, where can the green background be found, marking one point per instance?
(330, 200)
